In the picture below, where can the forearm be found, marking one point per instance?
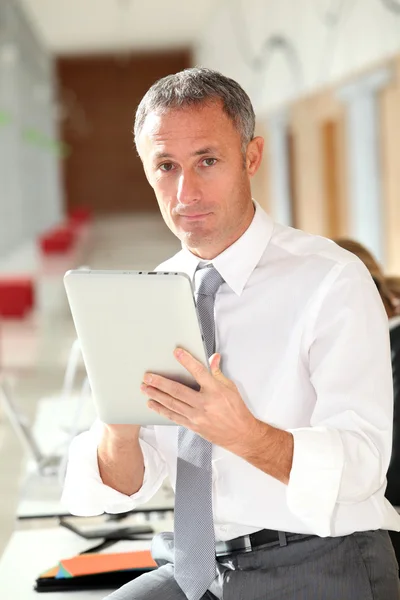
(269, 449)
(121, 463)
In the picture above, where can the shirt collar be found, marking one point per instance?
(236, 263)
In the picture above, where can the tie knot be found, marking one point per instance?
(207, 280)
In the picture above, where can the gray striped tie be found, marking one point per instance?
(195, 566)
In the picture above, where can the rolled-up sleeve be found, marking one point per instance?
(84, 492)
(344, 455)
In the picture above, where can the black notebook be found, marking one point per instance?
(99, 581)
(91, 571)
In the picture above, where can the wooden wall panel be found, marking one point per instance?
(390, 153)
(309, 210)
(343, 222)
(329, 132)
(100, 95)
(317, 134)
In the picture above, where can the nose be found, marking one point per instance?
(188, 188)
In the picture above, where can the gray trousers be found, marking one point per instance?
(361, 566)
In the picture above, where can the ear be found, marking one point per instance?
(254, 154)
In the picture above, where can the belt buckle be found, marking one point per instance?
(242, 544)
(247, 544)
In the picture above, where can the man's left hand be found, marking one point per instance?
(216, 412)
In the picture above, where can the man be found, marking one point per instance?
(279, 460)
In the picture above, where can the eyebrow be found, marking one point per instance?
(207, 150)
(160, 155)
(200, 152)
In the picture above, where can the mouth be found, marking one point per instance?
(194, 217)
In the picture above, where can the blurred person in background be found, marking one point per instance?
(393, 283)
(386, 286)
(279, 459)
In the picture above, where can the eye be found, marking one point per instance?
(209, 162)
(166, 167)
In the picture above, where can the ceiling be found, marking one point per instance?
(87, 26)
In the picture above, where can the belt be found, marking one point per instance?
(247, 543)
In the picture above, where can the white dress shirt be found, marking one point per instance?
(304, 335)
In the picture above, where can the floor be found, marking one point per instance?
(34, 352)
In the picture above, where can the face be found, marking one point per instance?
(194, 160)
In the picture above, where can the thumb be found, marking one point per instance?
(215, 362)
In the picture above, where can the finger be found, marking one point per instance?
(215, 364)
(172, 404)
(215, 361)
(201, 374)
(169, 414)
(172, 388)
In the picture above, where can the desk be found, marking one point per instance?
(41, 498)
(32, 552)
(40, 495)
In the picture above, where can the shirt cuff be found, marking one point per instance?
(84, 492)
(318, 460)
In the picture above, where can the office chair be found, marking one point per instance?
(53, 463)
(45, 464)
(393, 475)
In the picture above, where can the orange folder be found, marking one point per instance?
(90, 564)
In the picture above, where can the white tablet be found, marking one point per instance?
(130, 322)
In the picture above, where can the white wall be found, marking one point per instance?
(30, 190)
(283, 50)
(331, 39)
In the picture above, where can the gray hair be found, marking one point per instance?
(198, 86)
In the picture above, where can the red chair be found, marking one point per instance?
(80, 216)
(17, 296)
(58, 241)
